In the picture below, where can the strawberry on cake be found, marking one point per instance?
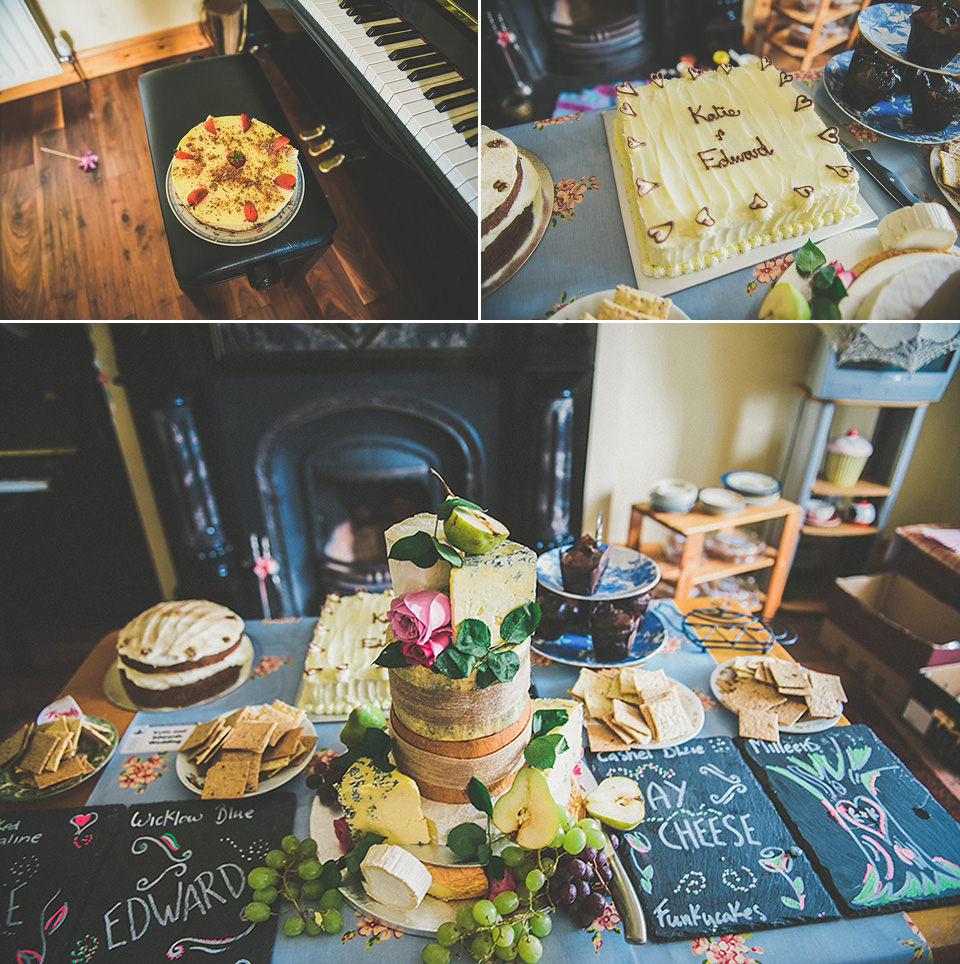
(234, 172)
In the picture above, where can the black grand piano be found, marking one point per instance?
(395, 83)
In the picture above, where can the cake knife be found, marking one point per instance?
(621, 889)
(890, 182)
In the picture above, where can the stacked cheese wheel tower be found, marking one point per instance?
(234, 172)
(449, 730)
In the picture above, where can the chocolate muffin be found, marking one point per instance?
(613, 626)
(582, 565)
(871, 78)
(935, 100)
(934, 33)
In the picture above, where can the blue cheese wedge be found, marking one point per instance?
(489, 586)
(385, 802)
(394, 877)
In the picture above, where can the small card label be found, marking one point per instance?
(155, 739)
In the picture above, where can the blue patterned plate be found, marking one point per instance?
(572, 649)
(629, 573)
(887, 27)
(890, 117)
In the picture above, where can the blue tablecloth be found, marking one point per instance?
(135, 778)
(585, 248)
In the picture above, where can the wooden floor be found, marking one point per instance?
(78, 246)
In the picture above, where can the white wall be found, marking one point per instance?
(92, 23)
(697, 400)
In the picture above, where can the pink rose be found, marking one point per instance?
(421, 622)
(342, 830)
(846, 275)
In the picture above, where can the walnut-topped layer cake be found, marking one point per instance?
(718, 162)
(234, 172)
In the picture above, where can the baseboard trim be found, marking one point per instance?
(109, 58)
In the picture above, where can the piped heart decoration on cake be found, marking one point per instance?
(627, 88)
(785, 78)
(726, 68)
(802, 103)
(805, 190)
(703, 217)
(660, 232)
(758, 203)
(625, 108)
(657, 78)
(765, 63)
(633, 143)
(645, 187)
(841, 170)
(831, 135)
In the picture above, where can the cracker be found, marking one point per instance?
(285, 749)
(56, 757)
(601, 739)
(667, 716)
(789, 712)
(648, 305)
(14, 745)
(629, 718)
(249, 735)
(198, 736)
(96, 732)
(307, 743)
(589, 680)
(753, 695)
(598, 706)
(789, 676)
(759, 725)
(42, 745)
(225, 781)
(75, 767)
(625, 736)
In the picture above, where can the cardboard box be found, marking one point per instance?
(933, 710)
(886, 629)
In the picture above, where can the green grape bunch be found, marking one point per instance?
(572, 874)
(292, 874)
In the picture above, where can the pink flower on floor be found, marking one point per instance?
(376, 931)
(862, 133)
(137, 774)
(563, 119)
(567, 194)
(421, 622)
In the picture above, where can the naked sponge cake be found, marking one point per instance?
(509, 184)
(181, 652)
(718, 162)
(234, 172)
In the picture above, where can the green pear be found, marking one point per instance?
(617, 801)
(360, 719)
(784, 303)
(527, 811)
(473, 531)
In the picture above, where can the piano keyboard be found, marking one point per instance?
(429, 99)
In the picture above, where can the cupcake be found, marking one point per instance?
(935, 100)
(582, 565)
(846, 457)
(934, 34)
(613, 626)
(871, 78)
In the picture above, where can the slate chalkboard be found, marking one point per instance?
(882, 842)
(47, 858)
(174, 883)
(711, 856)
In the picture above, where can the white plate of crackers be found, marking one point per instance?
(42, 760)
(598, 304)
(633, 707)
(246, 752)
(773, 696)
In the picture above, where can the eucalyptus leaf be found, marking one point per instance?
(808, 259)
(520, 623)
(419, 548)
(448, 552)
(824, 309)
(391, 657)
(484, 853)
(473, 632)
(479, 796)
(445, 509)
(546, 720)
(497, 867)
(542, 751)
(504, 664)
(454, 664)
(465, 838)
(485, 676)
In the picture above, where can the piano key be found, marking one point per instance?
(427, 60)
(424, 73)
(444, 90)
(410, 99)
(411, 50)
(451, 102)
(396, 37)
(381, 29)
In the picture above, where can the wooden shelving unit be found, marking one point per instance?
(694, 569)
(786, 14)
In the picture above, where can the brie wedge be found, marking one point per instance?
(394, 877)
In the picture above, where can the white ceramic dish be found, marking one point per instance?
(721, 501)
(591, 304)
(192, 779)
(725, 671)
(693, 706)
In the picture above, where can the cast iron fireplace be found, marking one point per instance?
(319, 437)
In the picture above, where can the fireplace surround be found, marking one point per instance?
(318, 437)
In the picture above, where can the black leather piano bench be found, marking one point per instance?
(181, 96)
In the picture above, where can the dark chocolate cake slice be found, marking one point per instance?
(582, 565)
(935, 100)
(934, 34)
(871, 78)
